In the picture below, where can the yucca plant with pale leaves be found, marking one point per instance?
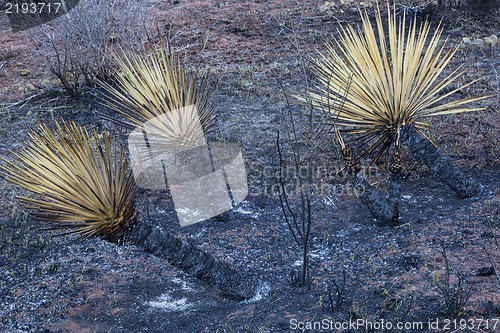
(393, 79)
(148, 88)
(81, 181)
(83, 184)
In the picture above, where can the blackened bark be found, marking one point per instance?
(193, 261)
(376, 203)
(398, 177)
(440, 164)
(395, 192)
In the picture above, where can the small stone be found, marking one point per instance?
(478, 42)
(494, 38)
(489, 42)
(457, 30)
(49, 83)
(466, 40)
(113, 38)
(56, 82)
(486, 271)
(29, 87)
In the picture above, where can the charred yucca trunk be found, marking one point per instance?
(193, 261)
(440, 164)
(376, 203)
(385, 210)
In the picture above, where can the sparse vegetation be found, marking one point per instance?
(336, 293)
(355, 269)
(456, 295)
(298, 216)
(78, 46)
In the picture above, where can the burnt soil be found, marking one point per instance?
(62, 284)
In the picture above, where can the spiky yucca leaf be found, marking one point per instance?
(150, 87)
(83, 182)
(393, 82)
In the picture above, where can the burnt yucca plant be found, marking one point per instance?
(394, 85)
(82, 181)
(84, 184)
(148, 88)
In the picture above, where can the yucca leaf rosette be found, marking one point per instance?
(149, 87)
(393, 81)
(81, 181)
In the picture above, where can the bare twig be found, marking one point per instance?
(456, 296)
(491, 262)
(25, 101)
(80, 44)
(337, 297)
(488, 221)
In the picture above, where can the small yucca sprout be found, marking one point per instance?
(82, 181)
(393, 81)
(148, 88)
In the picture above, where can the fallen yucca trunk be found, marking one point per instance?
(440, 164)
(85, 187)
(194, 262)
(393, 85)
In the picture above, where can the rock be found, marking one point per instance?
(494, 38)
(466, 40)
(489, 42)
(29, 87)
(456, 30)
(486, 271)
(478, 42)
(50, 83)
